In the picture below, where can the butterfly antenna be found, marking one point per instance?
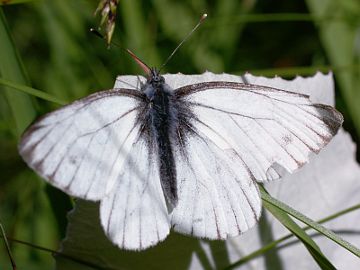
(141, 63)
(203, 17)
(3, 235)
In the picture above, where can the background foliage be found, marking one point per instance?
(46, 44)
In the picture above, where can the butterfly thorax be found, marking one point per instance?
(162, 119)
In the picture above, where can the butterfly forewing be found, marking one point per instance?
(265, 126)
(81, 147)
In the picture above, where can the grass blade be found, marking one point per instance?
(13, 264)
(312, 224)
(296, 230)
(275, 243)
(11, 68)
(311, 246)
(32, 91)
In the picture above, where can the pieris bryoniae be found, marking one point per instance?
(186, 157)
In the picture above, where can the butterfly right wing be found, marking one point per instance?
(81, 148)
(271, 130)
(218, 196)
(240, 134)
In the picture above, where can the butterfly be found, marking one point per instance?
(189, 158)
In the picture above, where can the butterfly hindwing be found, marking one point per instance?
(217, 197)
(134, 215)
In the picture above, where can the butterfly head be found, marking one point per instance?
(155, 79)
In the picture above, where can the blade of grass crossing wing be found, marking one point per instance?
(275, 243)
(311, 246)
(314, 225)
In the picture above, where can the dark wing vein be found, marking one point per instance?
(79, 164)
(194, 88)
(85, 102)
(97, 166)
(224, 111)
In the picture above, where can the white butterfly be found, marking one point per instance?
(189, 157)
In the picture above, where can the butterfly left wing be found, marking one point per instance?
(269, 129)
(81, 147)
(94, 149)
